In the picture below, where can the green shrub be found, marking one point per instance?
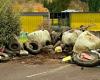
(9, 25)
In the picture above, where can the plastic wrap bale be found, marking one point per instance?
(78, 32)
(69, 37)
(41, 36)
(85, 42)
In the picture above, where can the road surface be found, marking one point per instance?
(16, 71)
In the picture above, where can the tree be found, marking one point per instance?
(9, 24)
(56, 5)
(94, 5)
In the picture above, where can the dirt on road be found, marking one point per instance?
(43, 58)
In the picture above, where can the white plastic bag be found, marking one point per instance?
(86, 41)
(40, 36)
(69, 37)
(78, 32)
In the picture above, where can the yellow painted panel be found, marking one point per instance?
(31, 23)
(78, 19)
(55, 21)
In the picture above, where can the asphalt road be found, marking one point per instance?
(18, 71)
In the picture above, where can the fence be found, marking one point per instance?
(59, 19)
(33, 21)
(75, 20)
(91, 19)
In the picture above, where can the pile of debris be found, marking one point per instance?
(79, 46)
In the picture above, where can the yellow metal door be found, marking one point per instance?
(31, 23)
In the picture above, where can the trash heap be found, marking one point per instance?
(78, 46)
(37, 42)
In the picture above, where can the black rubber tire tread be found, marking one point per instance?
(31, 50)
(91, 63)
(11, 53)
(10, 47)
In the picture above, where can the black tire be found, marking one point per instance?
(89, 63)
(14, 46)
(11, 53)
(32, 47)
